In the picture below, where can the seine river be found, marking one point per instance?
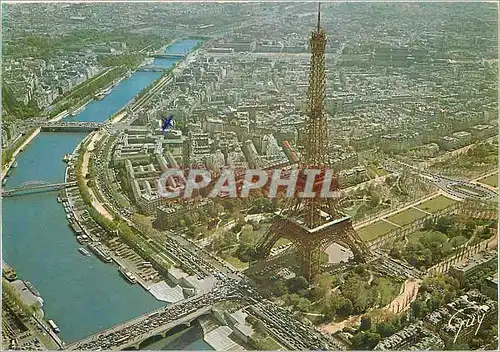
(81, 294)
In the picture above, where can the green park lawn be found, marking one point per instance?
(388, 290)
(271, 344)
(436, 204)
(406, 217)
(371, 232)
(416, 236)
(376, 171)
(238, 264)
(491, 180)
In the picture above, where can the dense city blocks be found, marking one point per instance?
(250, 176)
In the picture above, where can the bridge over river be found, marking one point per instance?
(152, 69)
(37, 186)
(135, 332)
(169, 56)
(140, 331)
(66, 126)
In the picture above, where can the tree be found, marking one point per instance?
(297, 283)
(366, 323)
(303, 304)
(444, 224)
(359, 293)
(419, 309)
(395, 253)
(404, 320)
(250, 319)
(385, 329)
(360, 270)
(428, 224)
(260, 328)
(371, 340)
(280, 288)
(188, 219)
(337, 304)
(365, 340)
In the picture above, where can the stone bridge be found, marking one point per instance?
(154, 325)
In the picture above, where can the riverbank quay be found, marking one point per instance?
(127, 260)
(60, 116)
(22, 317)
(42, 327)
(20, 148)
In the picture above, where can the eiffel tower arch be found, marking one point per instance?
(311, 242)
(314, 223)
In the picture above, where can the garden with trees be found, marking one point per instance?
(476, 161)
(440, 239)
(14, 301)
(336, 297)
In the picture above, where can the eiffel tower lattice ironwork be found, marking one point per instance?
(313, 224)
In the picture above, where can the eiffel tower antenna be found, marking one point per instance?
(319, 15)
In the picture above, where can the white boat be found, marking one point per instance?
(82, 239)
(15, 164)
(84, 251)
(53, 326)
(128, 275)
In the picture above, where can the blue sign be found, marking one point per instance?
(167, 122)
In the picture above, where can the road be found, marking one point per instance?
(457, 189)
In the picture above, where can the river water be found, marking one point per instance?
(81, 294)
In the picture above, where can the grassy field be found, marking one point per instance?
(388, 290)
(371, 232)
(271, 344)
(416, 236)
(406, 217)
(238, 264)
(375, 171)
(436, 204)
(491, 180)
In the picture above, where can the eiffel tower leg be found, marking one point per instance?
(272, 235)
(310, 262)
(357, 246)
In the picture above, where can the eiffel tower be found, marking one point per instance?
(313, 224)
